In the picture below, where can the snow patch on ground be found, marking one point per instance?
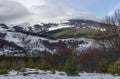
(59, 27)
(39, 74)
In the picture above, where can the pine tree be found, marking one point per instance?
(71, 66)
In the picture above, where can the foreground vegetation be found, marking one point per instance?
(18, 63)
(91, 60)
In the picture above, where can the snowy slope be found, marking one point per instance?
(23, 40)
(35, 43)
(39, 74)
(88, 43)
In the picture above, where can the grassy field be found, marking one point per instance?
(70, 33)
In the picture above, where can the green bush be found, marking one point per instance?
(17, 65)
(111, 69)
(115, 68)
(3, 71)
(103, 67)
(4, 65)
(30, 63)
(44, 65)
(60, 67)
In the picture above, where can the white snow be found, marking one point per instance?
(58, 27)
(39, 74)
(35, 43)
(90, 44)
(3, 30)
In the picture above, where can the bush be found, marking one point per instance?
(4, 65)
(17, 65)
(4, 71)
(103, 66)
(44, 65)
(30, 63)
(60, 67)
(71, 66)
(115, 68)
(111, 69)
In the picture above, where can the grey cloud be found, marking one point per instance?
(14, 11)
(10, 10)
(54, 9)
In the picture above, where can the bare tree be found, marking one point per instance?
(111, 35)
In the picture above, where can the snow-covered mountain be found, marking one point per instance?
(21, 44)
(43, 27)
(24, 39)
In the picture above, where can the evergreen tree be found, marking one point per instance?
(71, 66)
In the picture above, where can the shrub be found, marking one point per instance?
(30, 63)
(18, 64)
(111, 69)
(115, 68)
(44, 65)
(60, 67)
(4, 65)
(3, 71)
(103, 67)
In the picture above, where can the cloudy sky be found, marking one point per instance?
(20, 11)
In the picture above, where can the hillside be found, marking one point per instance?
(36, 39)
(71, 32)
(19, 43)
